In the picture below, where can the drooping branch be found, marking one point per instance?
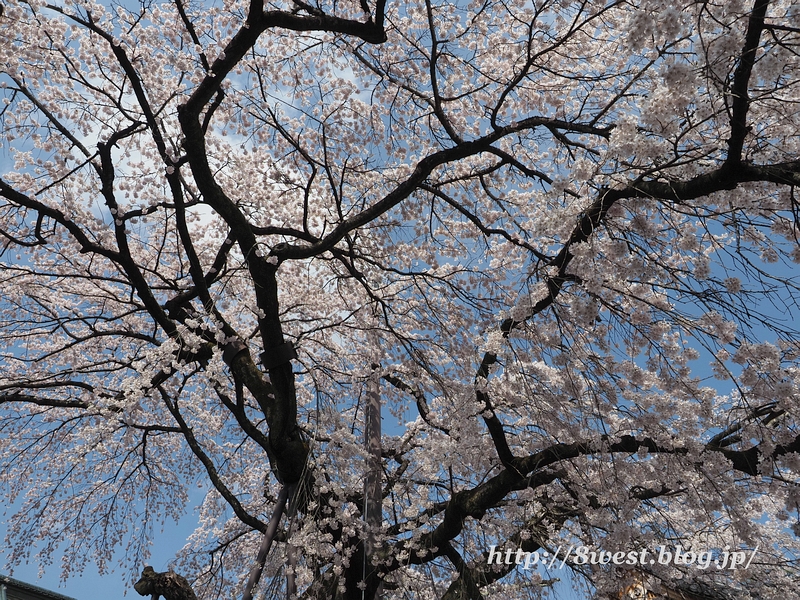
(124, 258)
(419, 397)
(728, 176)
(535, 470)
(481, 572)
(211, 469)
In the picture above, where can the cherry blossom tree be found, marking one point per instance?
(553, 242)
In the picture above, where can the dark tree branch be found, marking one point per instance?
(533, 471)
(741, 82)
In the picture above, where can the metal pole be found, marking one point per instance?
(291, 549)
(266, 543)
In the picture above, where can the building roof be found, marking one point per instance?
(32, 590)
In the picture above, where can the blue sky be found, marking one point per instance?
(90, 585)
(112, 586)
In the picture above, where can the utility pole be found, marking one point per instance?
(373, 494)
